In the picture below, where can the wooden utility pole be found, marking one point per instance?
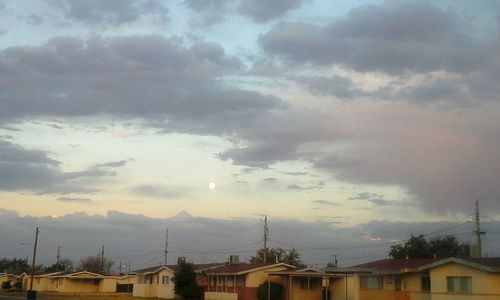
(34, 258)
(166, 248)
(266, 237)
(478, 232)
(102, 259)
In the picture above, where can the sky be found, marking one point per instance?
(350, 124)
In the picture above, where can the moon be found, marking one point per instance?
(211, 185)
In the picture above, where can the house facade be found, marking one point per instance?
(240, 281)
(79, 282)
(311, 284)
(426, 279)
(154, 282)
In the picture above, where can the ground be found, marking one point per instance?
(64, 296)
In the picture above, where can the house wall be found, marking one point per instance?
(75, 285)
(220, 296)
(144, 290)
(297, 293)
(40, 284)
(107, 285)
(484, 285)
(338, 288)
(254, 279)
(156, 289)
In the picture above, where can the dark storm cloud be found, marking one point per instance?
(23, 169)
(113, 12)
(393, 37)
(264, 11)
(172, 86)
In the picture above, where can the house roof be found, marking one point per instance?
(394, 264)
(238, 269)
(488, 264)
(197, 267)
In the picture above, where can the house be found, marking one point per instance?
(240, 281)
(4, 277)
(425, 279)
(154, 282)
(312, 284)
(157, 282)
(78, 282)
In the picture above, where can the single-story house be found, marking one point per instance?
(157, 281)
(425, 279)
(240, 281)
(77, 282)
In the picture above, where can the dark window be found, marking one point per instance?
(425, 283)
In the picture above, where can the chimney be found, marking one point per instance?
(234, 259)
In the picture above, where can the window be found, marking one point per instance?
(311, 283)
(165, 280)
(371, 282)
(240, 281)
(459, 284)
(425, 282)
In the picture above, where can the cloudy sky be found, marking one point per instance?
(338, 119)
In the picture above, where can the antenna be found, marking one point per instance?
(166, 247)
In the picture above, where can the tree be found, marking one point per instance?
(273, 289)
(419, 247)
(95, 265)
(6, 285)
(14, 265)
(185, 282)
(292, 257)
(63, 265)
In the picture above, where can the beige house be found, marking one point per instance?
(4, 277)
(157, 281)
(79, 282)
(425, 279)
(154, 282)
(240, 281)
(312, 284)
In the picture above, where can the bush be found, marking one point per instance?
(18, 285)
(6, 285)
(276, 291)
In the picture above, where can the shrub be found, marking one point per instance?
(7, 285)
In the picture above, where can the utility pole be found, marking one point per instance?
(34, 258)
(102, 259)
(166, 248)
(59, 248)
(266, 237)
(478, 231)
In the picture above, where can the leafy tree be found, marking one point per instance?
(185, 282)
(95, 265)
(273, 289)
(419, 247)
(292, 257)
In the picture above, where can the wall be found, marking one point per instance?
(254, 279)
(75, 285)
(220, 296)
(107, 285)
(484, 285)
(338, 288)
(143, 290)
(298, 293)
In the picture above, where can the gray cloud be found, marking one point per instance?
(209, 12)
(325, 203)
(385, 38)
(113, 12)
(364, 196)
(24, 169)
(113, 164)
(297, 187)
(156, 191)
(264, 11)
(134, 238)
(177, 85)
(74, 200)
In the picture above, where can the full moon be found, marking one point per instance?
(211, 185)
